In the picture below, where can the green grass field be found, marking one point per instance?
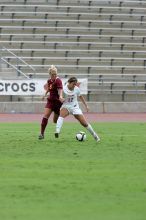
(63, 179)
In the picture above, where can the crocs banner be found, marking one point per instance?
(33, 86)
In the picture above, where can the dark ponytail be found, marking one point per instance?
(72, 79)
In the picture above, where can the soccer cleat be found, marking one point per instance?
(41, 136)
(96, 138)
(57, 135)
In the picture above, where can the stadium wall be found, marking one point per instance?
(99, 107)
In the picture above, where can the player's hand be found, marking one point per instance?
(43, 98)
(87, 109)
(61, 99)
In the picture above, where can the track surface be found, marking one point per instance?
(91, 117)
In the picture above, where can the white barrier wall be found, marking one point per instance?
(33, 87)
(99, 107)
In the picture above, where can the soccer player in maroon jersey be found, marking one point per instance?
(54, 88)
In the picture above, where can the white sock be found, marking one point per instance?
(59, 124)
(90, 129)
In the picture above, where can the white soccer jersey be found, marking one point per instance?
(71, 96)
(71, 102)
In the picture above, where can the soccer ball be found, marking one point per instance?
(81, 136)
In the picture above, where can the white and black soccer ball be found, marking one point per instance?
(81, 136)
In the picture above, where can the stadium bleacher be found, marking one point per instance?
(102, 40)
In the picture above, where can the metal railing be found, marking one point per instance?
(16, 67)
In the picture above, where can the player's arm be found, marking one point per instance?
(47, 90)
(60, 90)
(84, 102)
(60, 93)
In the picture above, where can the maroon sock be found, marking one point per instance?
(43, 125)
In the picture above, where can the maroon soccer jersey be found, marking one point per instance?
(53, 86)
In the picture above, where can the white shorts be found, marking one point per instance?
(74, 110)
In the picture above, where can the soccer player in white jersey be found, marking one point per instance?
(70, 106)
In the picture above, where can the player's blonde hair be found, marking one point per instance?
(52, 70)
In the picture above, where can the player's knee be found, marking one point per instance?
(46, 116)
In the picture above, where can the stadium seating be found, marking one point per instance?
(102, 40)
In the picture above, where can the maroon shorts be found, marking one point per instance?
(54, 105)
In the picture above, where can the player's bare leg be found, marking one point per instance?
(47, 113)
(84, 123)
(55, 118)
(63, 113)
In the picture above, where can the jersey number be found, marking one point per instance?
(70, 99)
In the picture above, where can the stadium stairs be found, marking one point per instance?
(104, 41)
